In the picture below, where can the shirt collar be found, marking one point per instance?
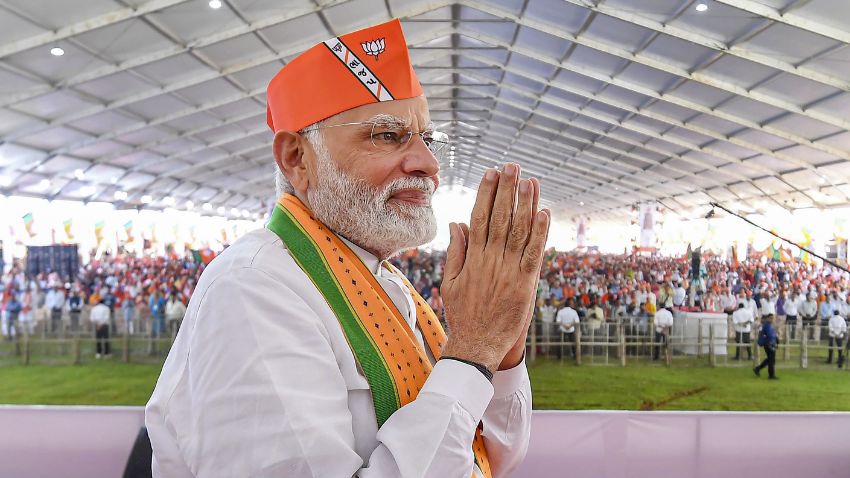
(369, 259)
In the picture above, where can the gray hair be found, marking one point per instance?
(314, 136)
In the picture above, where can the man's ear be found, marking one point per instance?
(289, 155)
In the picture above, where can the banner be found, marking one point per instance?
(66, 224)
(128, 229)
(647, 222)
(581, 233)
(28, 224)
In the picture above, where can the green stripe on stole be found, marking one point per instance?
(309, 257)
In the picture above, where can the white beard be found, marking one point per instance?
(362, 214)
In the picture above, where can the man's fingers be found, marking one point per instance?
(480, 219)
(455, 254)
(536, 196)
(503, 208)
(465, 230)
(532, 257)
(521, 223)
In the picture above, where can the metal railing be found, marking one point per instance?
(634, 340)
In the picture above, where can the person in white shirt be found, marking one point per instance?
(55, 303)
(679, 295)
(742, 320)
(567, 319)
(547, 323)
(263, 379)
(99, 317)
(768, 304)
(728, 302)
(174, 312)
(663, 323)
(808, 313)
(837, 331)
(791, 309)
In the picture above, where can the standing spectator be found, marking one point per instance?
(769, 340)
(128, 307)
(109, 300)
(42, 312)
(825, 310)
(13, 310)
(55, 302)
(679, 295)
(174, 312)
(100, 319)
(567, 319)
(547, 320)
(790, 307)
(663, 322)
(157, 307)
(809, 312)
(75, 309)
(837, 331)
(742, 320)
(26, 319)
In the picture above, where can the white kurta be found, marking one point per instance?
(261, 382)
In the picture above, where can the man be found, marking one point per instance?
(790, 307)
(769, 340)
(679, 295)
(825, 310)
(75, 309)
(728, 303)
(13, 310)
(304, 354)
(547, 322)
(808, 312)
(567, 320)
(174, 312)
(100, 319)
(837, 331)
(663, 323)
(742, 320)
(55, 302)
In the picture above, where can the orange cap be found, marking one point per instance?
(342, 73)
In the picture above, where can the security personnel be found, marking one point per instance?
(769, 340)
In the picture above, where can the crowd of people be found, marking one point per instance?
(107, 295)
(599, 288)
(573, 288)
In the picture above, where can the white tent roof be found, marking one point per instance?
(609, 102)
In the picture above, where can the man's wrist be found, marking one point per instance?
(488, 374)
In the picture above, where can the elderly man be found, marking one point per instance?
(303, 353)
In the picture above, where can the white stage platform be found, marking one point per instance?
(94, 442)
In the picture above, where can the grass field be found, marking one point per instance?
(556, 386)
(654, 387)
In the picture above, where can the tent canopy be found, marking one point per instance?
(608, 102)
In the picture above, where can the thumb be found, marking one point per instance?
(455, 254)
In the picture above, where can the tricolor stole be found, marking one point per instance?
(383, 343)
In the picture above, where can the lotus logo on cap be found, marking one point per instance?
(374, 47)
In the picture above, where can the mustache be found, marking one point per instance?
(423, 184)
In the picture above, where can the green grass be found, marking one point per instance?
(568, 387)
(556, 386)
(107, 382)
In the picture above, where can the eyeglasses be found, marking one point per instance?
(392, 138)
